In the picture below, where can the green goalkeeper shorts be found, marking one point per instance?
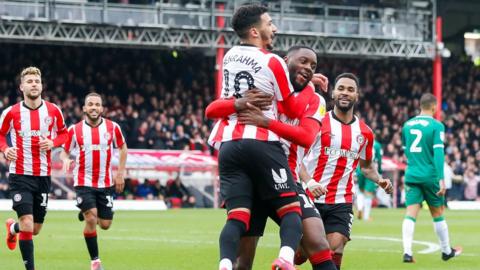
(416, 193)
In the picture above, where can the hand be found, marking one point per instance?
(45, 144)
(119, 182)
(321, 81)
(315, 188)
(443, 189)
(67, 163)
(255, 97)
(11, 153)
(253, 116)
(386, 184)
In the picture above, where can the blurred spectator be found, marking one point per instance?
(159, 191)
(471, 182)
(178, 194)
(144, 190)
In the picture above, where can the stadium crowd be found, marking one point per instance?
(159, 97)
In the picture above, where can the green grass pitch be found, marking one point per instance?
(188, 239)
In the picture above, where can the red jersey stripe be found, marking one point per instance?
(95, 156)
(280, 76)
(112, 130)
(35, 125)
(341, 164)
(326, 139)
(81, 159)
(19, 139)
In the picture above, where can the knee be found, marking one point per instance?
(315, 245)
(105, 225)
(90, 218)
(26, 223)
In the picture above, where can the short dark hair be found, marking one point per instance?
(245, 17)
(427, 101)
(299, 47)
(92, 94)
(349, 76)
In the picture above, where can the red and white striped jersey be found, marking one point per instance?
(246, 67)
(93, 147)
(26, 127)
(334, 155)
(313, 105)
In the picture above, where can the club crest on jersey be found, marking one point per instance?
(280, 180)
(107, 136)
(17, 197)
(48, 120)
(360, 139)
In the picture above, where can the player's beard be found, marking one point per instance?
(93, 120)
(344, 108)
(268, 39)
(34, 97)
(297, 87)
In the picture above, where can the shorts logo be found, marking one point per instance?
(48, 120)
(280, 180)
(360, 139)
(79, 200)
(107, 136)
(17, 197)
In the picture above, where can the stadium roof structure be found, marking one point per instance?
(330, 30)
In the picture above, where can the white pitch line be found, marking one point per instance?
(431, 247)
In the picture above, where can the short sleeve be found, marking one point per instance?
(282, 86)
(119, 139)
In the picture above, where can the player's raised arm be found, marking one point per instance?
(222, 108)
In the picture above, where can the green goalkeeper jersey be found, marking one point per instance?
(422, 139)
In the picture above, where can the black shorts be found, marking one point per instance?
(30, 195)
(260, 213)
(249, 167)
(336, 217)
(100, 198)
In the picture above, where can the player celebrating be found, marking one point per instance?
(251, 158)
(301, 62)
(366, 187)
(94, 139)
(32, 124)
(343, 142)
(422, 138)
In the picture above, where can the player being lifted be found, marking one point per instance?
(93, 139)
(300, 132)
(343, 142)
(251, 159)
(422, 139)
(35, 127)
(366, 187)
